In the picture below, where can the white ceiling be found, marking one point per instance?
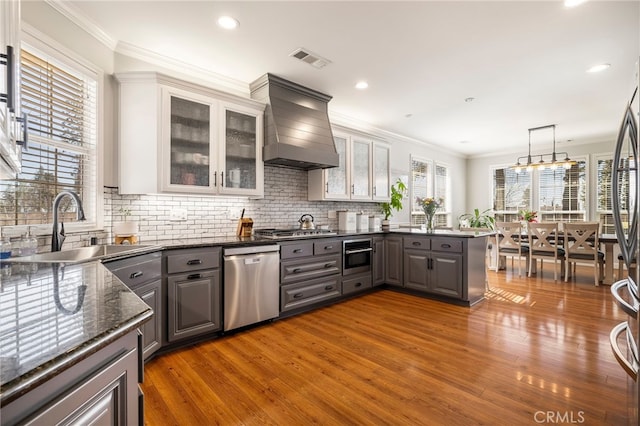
(523, 62)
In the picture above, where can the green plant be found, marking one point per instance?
(478, 219)
(395, 203)
(126, 212)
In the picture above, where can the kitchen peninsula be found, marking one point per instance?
(85, 335)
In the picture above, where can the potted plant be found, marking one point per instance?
(478, 219)
(395, 202)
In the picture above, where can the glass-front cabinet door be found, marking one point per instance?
(361, 169)
(337, 179)
(241, 150)
(380, 171)
(189, 136)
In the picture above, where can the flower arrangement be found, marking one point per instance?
(429, 205)
(528, 215)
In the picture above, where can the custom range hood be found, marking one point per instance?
(297, 131)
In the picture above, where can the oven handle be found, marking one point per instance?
(358, 250)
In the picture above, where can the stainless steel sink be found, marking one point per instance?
(82, 254)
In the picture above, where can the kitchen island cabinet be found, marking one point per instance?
(447, 264)
(194, 139)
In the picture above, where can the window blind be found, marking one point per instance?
(562, 193)
(511, 193)
(62, 106)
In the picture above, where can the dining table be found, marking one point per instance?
(608, 241)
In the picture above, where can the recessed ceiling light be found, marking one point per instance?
(573, 3)
(362, 85)
(228, 23)
(599, 67)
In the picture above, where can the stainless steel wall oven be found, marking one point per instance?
(357, 256)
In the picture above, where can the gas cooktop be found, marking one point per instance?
(272, 233)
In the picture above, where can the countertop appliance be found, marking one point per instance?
(251, 285)
(624, 337)
(273, 233)
(357, 256)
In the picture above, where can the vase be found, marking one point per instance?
(428, 221)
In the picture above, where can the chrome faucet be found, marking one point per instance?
(58, 236)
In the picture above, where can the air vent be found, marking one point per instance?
(310, 58)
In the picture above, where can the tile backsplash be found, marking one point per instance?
(284, 202)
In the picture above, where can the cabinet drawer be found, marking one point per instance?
(353, 285)
(417, 243)
(139, 273)
(193, 259)
(327, 247)
(305, 269)
(446, 244)
(308, 293)
(292, 251)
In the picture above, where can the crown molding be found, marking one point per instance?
(74, 15)
(205, 77)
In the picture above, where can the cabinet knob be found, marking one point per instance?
(328, 287)
(298, 295)
(417, 243)
(136, 274)
(297, 270)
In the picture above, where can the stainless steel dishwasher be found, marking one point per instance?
(251, 285)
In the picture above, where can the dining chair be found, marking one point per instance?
(581, 245)
(543, 245)
(509, 244)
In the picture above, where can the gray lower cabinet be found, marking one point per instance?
(378, 261)
(102, 389)
(356, 284)
(193, 283)
(142, 274)
(393, 265)
(310, 273)
(434, 265)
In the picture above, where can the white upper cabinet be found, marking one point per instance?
(176, 137)
(10, 127)
(362, 175)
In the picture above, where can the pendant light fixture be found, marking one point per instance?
(544, 160)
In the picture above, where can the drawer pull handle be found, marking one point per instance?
(328, 247)
(297, 250)
(297, 270)
(298, 295)
(417, 243)
(445, 245)
(193, 276)
(358, 285)
(329, 287)
(194, 262)
(136, 275)
(328, 265)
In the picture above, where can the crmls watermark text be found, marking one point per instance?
(557, 417)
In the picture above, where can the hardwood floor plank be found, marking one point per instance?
(533, 345)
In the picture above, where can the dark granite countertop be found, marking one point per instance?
(53, 316)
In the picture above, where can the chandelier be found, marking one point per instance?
(544, 161)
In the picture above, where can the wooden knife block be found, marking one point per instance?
(245, 226)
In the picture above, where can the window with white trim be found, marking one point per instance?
(429, 180)
(604, 193)
(562, 193)
(511, 193)
(60, 97)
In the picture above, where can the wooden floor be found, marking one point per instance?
(533, 346)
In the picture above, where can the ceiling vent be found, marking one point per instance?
(310, 58)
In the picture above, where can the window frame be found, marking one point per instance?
(38, 43)
(584, 212)
(416, 216)
(508, 215)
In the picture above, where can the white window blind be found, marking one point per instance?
(62, 106)
(421, 186)
(562, 193)
(442, 191)
(511, 193)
